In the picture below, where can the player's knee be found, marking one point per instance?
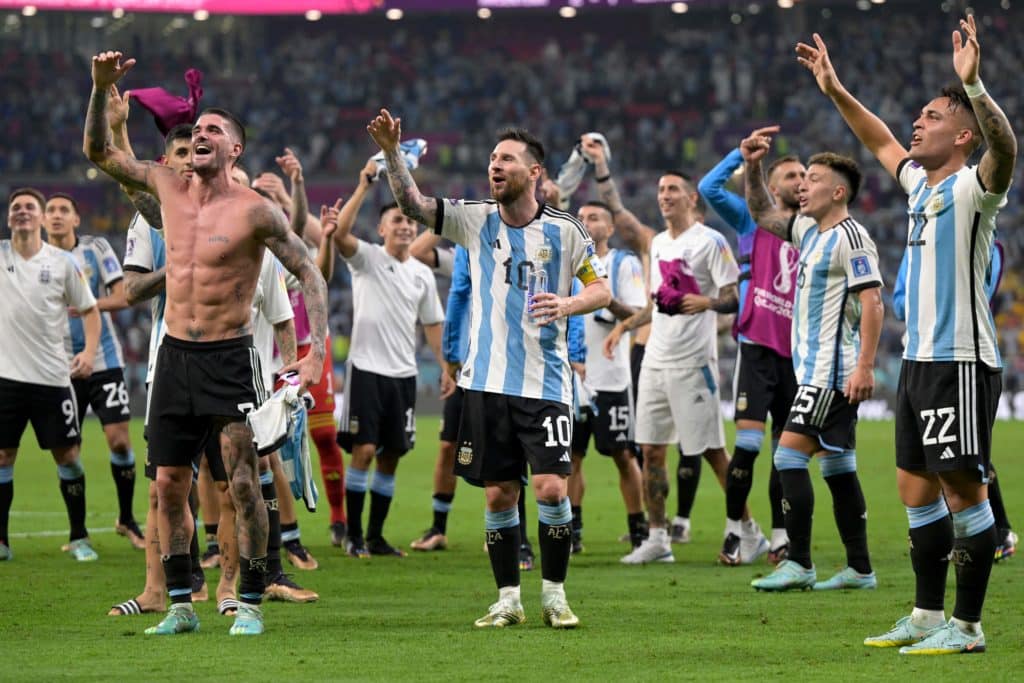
(835, 464)
(790, 459)
(8, 456)
(119, 441)
(549, 490)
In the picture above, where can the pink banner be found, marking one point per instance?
(211, 6)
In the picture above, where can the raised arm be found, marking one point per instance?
(636, 235)
(325, 254)
(731, 207)
(996, 167)
(387, 133)
(98, 143)
(759, 200)
(868, 128)
(272, 228)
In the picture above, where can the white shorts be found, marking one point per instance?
(680, 405)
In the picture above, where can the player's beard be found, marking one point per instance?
(513, 190)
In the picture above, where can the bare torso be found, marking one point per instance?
(213, 259)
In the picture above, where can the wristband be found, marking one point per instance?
(975, 90)
(603, 178)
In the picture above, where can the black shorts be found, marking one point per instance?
(636, 359)
(764, 383)
(51, 410)
(944, 416)
(106, 393)
(612, 427)
(379, 410)
(500, 433)
(198, 387)
(825, 415)
(211, 451)
(452, 415)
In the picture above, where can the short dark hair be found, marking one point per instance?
(235, 122)
(598, 204)
(533, 144)
(64, 195)
(30, 191)
(960, 102)
(779, 162)
(182, 131)
(387, 207)
(844, 166)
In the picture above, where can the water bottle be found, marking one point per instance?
(538, 282)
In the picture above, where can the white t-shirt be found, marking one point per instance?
(389, 296)
(270, 306)
(34, 300)
(681, 340)
(626, 277)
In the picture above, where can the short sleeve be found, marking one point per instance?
(430, 310)
(860, 260)
(76, 289)
(722, 263)
(445, 261)
(630, 284)
(110, 267)
(459, 219)
(363, 258)
(799, 226)
(138, 254)
(910, 175)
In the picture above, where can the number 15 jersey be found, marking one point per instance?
(509, 354)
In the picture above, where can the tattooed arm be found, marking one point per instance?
(271, 227)
(996, 167)
(387, 133)
(727, 301)
(147, 205)
(636, 234)
(759, 201)
(284, 337)
(98, 143)
(140, 287)
(620, 310)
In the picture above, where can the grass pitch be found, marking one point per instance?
(411, 619)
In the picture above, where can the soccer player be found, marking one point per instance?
(692, 275)
(1007, 536)
(764, 382)
(38, 283)
(517, 376)
(391, 291)
(950, 378)
(215, 231)
(838, 294)
(612, 425)
(104, 389)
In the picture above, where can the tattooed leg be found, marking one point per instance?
(655, 484)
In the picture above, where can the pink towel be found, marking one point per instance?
(169, 110)
(676, 282)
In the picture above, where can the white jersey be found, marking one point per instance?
(948, 254)
(102, 270)
(509, 354)
(270, 306)
(834, 266)
(445, 261)
(626, 277)
(147, 253)
(681, 340)
(388, 297)
(34, 299)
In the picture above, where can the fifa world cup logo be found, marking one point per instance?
(788, 257)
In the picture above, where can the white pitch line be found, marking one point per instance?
(60, 532)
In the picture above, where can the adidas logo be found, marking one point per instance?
(798, 420)
(621, 437)
(565, 457)
(947, 454)
(699, 399)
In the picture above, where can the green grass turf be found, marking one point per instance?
(412, 619)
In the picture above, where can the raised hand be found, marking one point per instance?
(386, 131)
(289, 163)
(755, 146)
(593, 149)
(966, 53)
(329, 218)
(272, 184)
(107, 69)
(816, 59)
(368, 174)
(117, 108)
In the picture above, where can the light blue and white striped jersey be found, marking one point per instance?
(509, 354)
(101, 268)
(626, 279)
(948, 253)
(834, 266)
(147, 253)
